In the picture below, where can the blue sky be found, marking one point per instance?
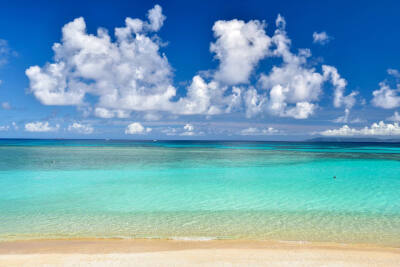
(286, 70)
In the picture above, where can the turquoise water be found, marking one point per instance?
(200, 190)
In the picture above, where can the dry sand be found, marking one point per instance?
(114, 252)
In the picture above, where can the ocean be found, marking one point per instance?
(200, 190)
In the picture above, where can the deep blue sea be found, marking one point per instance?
(290, 191)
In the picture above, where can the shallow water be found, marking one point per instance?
(200, 190)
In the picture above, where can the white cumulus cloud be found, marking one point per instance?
(294, 88)
(340, 85)
(115, 76)
(321, 38)
(80, 128)
(376, 129)
(239, 47)
(188, 127)
(128, 74)
(137, 128)
(198, 99)
(188, 130)
(40, 126)
(395, 117)
(386, 97)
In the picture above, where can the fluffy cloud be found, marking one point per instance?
(395, 117)
(378, 129)
(114, 77)
(340, 85)
(255, 103)
(321, 38)
(302, 110)
(198, 100)
(386, 97)
(257, 131)
(40, 126)
(188, 127)
(239, 47)
(294, 86)
(136, 128)
(156, 20)
(80, 128)
(188, 130)
(340, 99)
(128, 74)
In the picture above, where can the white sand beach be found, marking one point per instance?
(113, 252)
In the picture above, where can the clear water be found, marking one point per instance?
(200, 190)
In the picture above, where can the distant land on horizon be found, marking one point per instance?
(352, 139)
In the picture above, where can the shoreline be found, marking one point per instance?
(163, 252)
(90, 245)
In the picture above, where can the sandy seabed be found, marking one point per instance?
(117, 252)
